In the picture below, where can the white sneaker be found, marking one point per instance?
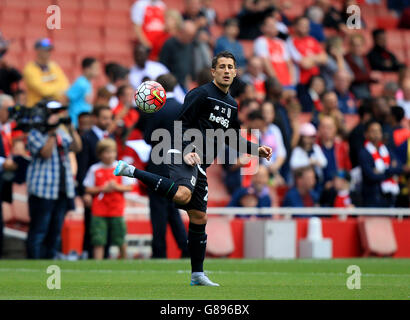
(202, 280)
(124, 169)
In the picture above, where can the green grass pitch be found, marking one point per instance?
(239, 279)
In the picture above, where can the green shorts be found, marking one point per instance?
(100, 226)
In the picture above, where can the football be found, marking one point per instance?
(150, 96)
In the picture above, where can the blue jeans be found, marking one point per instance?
(46, 221)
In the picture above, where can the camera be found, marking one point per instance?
(36, 117)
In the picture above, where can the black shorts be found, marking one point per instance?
(194, 179)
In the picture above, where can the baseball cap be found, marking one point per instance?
(44, 43)
(307, 129)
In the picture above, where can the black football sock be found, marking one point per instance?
(163, 186)
(197, 246)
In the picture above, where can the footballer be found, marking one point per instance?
(207, 107)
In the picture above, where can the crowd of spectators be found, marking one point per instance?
(295, 68)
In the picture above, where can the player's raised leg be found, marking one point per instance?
(161, 185)
(197, 247)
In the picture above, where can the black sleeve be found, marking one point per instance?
(82, 162)
(243, 144)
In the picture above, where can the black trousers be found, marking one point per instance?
(162, 212)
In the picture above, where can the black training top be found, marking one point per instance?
(208, 107)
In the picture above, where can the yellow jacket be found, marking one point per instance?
(42, 84)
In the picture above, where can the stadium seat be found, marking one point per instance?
(406, 39)
(247, 48)
(12, 15)
(118, 19)
(377, 236)
(39, 4)
(69, 4)
(119, 33)
(11, 31)
(63, 34)
(117, 47)
(35, 31)
(12, 4)
(174, 4)
(220, 239)
(119, 5)
(395, 40)
(95, 18)
(65, 60)
(218, 196)
(387, 22)
(65, 45)
(92, 47)
(93, 33)
(93, 4)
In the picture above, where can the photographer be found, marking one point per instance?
(50, 180)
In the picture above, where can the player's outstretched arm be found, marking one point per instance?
(265, 152)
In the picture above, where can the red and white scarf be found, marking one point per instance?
(382, 159)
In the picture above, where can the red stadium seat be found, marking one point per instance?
(119, 33)
(118, 19)
(220, 238)
(64, 60)
(119, 5)
(406, 39)
(174, 4)
(95, 18)
(11, 31)
(35, 32)
(387, 22)
(93, 33)
(395, 39)
(65, 45)
(117, 47)
(12, 15)
(93, 4)
(63, 34)
(69, 4)
(218, 196)
(43, 4)
(247, 47)
(92, 47)
(15, 3)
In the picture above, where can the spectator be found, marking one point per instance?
(338, 196)
(103, 97)
(251, 17)
(272, 137)
(148, 17)
(333, 18)
(254, 76)
(162, 210)
(309, 96)
(275, 55)
(176, 54)
(346, 99)
(193, 11)
(117, 76)
(331, 108)
(125, 118)
(316, 16)
(306, 51)
(228, 42)
(255, 196)
(302, 194)
(44, 78)
(108, 200)
(334, 149)
(335, 61)
(309, 153)
(360, 66)
(380, 57)
(86, 158)
(84, 123)
(405, 101)
(9, 76)
(6, 161)
(79, 94)
(49, 198)
(20, 97)
(400, 134)
(382, 113)
(143, 67)
(379, 169)
(209, 12)
(356, 136)
(173, 21)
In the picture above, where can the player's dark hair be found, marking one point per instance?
(98, 109)
(87, 62)
(299, 172)
(167, 81)
(223, 54)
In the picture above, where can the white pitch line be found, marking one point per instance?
(273, 273)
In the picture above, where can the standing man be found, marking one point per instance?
(86, 158)
(163, 210)
(207, 107)
(50, 183)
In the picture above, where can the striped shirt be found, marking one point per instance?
(43, 175)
